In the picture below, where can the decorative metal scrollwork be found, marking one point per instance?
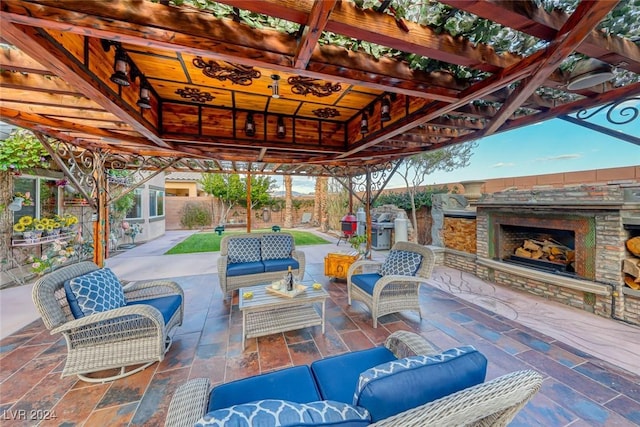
(238, 74)
(628, 113)
(326, 113)
(195, 94)
(380, 174)
(306, 85)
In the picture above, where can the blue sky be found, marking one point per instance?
(548, 147)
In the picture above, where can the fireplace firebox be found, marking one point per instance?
(541, 248)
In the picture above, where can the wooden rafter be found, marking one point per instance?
(313, 30)
(575, 30)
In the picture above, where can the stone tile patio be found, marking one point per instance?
(579, 388)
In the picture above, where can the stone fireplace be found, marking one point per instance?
(590, 223)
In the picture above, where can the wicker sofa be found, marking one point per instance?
(253, 258)
(405, 383)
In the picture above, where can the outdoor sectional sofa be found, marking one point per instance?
(253, 258)
(404, 383)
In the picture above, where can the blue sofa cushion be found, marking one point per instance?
(94, 292)
(280, 264)
(337, 376)
(366, 282)
(166, 305)
(242, 268)
(244, 250)
(293, 384)
(276, 246)
(394, 387)
(281, 413)
(403, 263)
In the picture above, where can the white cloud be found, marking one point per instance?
(503, 165)
(559, 157)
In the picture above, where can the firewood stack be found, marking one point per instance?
(546, 250)
(631, 265)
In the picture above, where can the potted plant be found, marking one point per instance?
(356, 243)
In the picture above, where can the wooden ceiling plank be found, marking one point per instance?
(15, 115)
(313, 30)
(26, 39)
(157, 26)
(585, 18)
(14, 59)
(36, 83)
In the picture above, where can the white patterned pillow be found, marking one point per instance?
(276, 246)
(403, 263)
(282, 413)
(243, 250)
(94, 292)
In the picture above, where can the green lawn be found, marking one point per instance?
(210, 242)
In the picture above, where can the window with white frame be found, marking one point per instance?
(136, 210)
(43, 197)
(156, 202)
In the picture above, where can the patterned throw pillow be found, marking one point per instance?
(282, 413)
(403, 263)
(244, 250)
(94, 292)
(276, 246)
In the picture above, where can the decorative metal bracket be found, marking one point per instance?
(195, 94)
(626, 114)
(326, 113)
(238, 74)
(306, 85)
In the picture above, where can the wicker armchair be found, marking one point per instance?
(134, 336)
(391, 293)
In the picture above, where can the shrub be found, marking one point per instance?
(195, 215)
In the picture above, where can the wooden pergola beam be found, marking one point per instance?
(162, 27)
(316, 22)
(30, 41)
(585, 18)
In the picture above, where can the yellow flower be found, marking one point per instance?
(18, 227)
(56, 225)
(26, 220)
(39, 226)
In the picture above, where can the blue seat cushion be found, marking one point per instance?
(282, 413)
(167, 305)
(403, 263)
(366, 282)
(293, 384)
(240, 269)
(244, 250)
(337, 376)
(276, 246)
(394, 387)
(280, 264)
(94, 292)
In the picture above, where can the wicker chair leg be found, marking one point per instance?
(123, 373)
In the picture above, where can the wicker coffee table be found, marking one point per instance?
(266, 313)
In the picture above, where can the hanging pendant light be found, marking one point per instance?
(274, 86)
(385, 110)
(144, 100)
(364, 124)
(588, 73)
(119, 75)
(282, 130)
(250, 125)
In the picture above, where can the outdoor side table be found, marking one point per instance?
(336, 265)
(266, 313)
